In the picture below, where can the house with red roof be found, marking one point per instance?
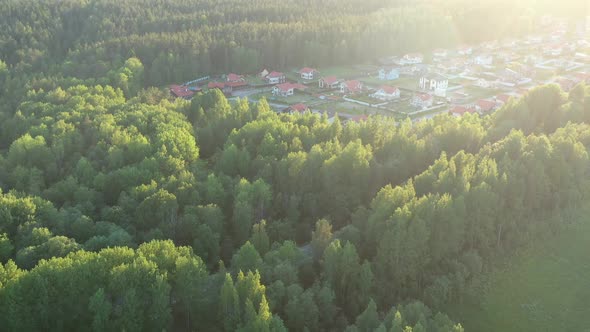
(359, 118)
(181, 91)
(328, 82)
(287, 89)
(386, 93)
(231, 77)
(422, 100)
(351, 87)
(460, 110)
(484, 105)
(307, 73)
(297, 108)
(275, 77)
(503, 98)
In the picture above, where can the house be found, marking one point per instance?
(484, 105)
(181, 91)
(329, 82)
(224, 87)
(287, 89)
(503, 98)
(275, 77)
(465, 50)
(359, 118)
(386, 93)
(460, 110)
(566, 84)
(422, 100)
(235, 78)
(483, 60)
(307, 73)
(388, 75)
(436, 83)
(263, 73)
(412, 59)
(440, 53)
(351, 87)
(297, 108)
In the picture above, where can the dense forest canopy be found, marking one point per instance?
(124, 209)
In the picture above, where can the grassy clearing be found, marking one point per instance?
(546, 288)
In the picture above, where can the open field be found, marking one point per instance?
(546, 288)
(406, 82)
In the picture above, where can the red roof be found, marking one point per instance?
(425, 96)
(181, 91)
(359, 118)
(288, 86)
(275, 74)
(234, 77)
(388, 89)
(298, 107)
(307, 70)
(504, 98)
(485, 105)
(462, 110)
(236, 84)
(218, 85)
(329, 80)
(353, 85)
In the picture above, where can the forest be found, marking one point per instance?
(122, 208)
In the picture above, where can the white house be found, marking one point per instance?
(436, 83)
(329, 82)
(412, 59)
(351, 87)
(275, 77)
(485, 83)
(386, 93)
(287, 89)
(307, 73)
(483, 60)
(422, 100)
(388, 75)
(465, 50)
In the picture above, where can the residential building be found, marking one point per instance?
(386, 93)
(287, 89)
(308, 73)
(422, 100)
(329, 82)
(436, 83)
(275, 77)
(351, 87)
(388, 74)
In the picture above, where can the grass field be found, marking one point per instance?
(547, 288)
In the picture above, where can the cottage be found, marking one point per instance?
(263, 73)
(483, 60)
(484, 105)
(422, 100)
(465, 50)
(287, 89)
(386, 93)
(275, 77)
(440, 53)
(461, 110)
(437, 83)
(351, 87)
(235, 78)
(297, 108)
(412, 59)
(388, 75)
(180, 91)
(329, 82)
(566, 84)
(307, 73)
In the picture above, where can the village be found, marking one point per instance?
(469, 79)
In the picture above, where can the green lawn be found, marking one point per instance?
(402, 82)
(547, 288)
(294, 99)
(476, 93)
